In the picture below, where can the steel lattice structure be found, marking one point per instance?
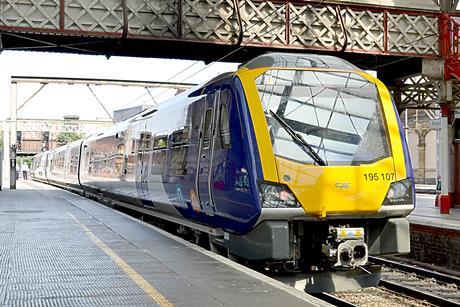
(277, 24)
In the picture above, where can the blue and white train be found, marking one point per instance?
(294, 159)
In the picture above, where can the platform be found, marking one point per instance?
(427, 214)
(59, 249)
(425, 188)
(435, 237)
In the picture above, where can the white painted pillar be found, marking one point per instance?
(13, 112)
(13, 129)
(445, 153)
(446, 149)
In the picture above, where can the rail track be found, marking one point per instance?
(433, 287)
(424, 287)
(408, 268)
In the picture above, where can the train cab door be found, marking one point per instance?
(207, 130)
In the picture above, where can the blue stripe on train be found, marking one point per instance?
(407, 161)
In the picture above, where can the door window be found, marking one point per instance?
(207, 128)
(224, 127)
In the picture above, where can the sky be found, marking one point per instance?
(55, 101)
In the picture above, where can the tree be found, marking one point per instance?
(64, 138)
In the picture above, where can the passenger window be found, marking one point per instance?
(133, 146)
(224, 127)
(178, 165)
(207, 128)
(144, 142)
(119, 159)
(179, 150)
(147, 139)
(159, 154)
(180, 136)
(160, 142)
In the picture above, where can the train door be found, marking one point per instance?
(207, 130)
(144, 160)
(222, 163)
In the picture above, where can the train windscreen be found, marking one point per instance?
(335, 114)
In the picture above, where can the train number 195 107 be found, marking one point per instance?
(379, 176)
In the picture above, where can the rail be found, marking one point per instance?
(448, 279)
(415, 291)
(334, 300)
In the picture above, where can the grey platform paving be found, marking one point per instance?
(426, 213)
(59, 249)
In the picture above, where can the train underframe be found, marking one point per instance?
(333, 254)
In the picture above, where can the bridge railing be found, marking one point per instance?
(313, 25)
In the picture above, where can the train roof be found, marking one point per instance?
(270, 59)
(190, 93)
(282, 59)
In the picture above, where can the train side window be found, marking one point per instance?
(224, 127)
(180, 140)
(181, 136)
(207, 128)
(178, 165)
(147, 141)
(133, 146)
(160, 144)
(119, 159)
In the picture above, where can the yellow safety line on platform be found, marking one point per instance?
(136, 277)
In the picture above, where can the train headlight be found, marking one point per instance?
(277, 196)
(399, 193)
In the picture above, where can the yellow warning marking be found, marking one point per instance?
(136, 277)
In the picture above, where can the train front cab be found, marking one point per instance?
(337, 179)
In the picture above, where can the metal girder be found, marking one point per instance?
(31, 97)
(100, 102)
(314, 25)
(423, 92)
(53, 125)
(84, 81)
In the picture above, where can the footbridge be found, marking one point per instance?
(373, 34)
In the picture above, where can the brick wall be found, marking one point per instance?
(437, 246)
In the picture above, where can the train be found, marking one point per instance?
(294, 161)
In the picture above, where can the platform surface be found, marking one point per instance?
(60, 249)
(426, 213)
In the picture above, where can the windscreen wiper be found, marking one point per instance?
(299, 140)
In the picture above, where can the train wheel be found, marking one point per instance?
(202, 240)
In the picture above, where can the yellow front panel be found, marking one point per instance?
(337, 189)
(264, 144)
(394, 137)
